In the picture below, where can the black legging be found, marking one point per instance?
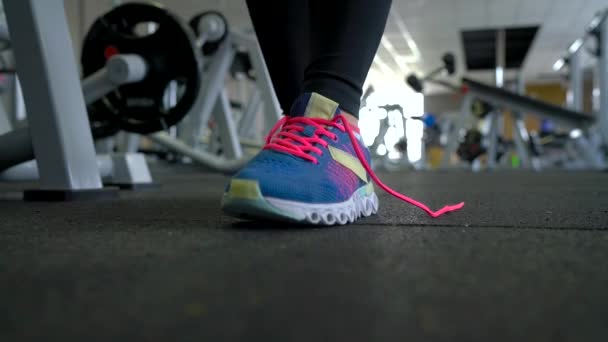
(322, 46)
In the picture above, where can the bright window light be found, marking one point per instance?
(369, 121)
(414, 131)
(391, 139)
(388, 92)
(381, 150)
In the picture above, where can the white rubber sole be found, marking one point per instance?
(247, 202)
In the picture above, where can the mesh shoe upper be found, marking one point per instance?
(288, 177)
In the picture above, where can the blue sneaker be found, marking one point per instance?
(314, 169)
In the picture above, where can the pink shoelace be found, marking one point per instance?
(288, 141)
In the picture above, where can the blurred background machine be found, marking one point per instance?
(491, 131)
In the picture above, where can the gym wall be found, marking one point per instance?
(554, 93)
(441, 103)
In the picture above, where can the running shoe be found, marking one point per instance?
(314, 169)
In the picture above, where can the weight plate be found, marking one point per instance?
(471, 148)
(102, 126)
(168, 47)
(210, 47)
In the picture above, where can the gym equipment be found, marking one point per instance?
(170, 54)
(119, 70)
(506, 99)
(471, 147)
(589, 134)
(573, 59)
(212, 108)
(58, 131)
(448, 65)
(597, 30)
(474, 145)
(61, 139)
(127, 171)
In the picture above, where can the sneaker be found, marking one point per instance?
(314, 169)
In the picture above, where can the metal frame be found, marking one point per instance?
(227, 128)
(525, 104)
(576, 82)
(520, 133)
(272, 109)
(495, 116)
(247, 122)
(603, 77)
(60, 131)
(128, 170)
(212, 101)
(213, 84)
(58, 134)
(454, 135)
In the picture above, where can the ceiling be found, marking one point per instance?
(418, 32)
(435, 27)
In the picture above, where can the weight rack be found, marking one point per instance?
(58, 134)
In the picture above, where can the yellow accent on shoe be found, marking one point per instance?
(349, 161)
(244, 189)
(369, 188)
(320, 107)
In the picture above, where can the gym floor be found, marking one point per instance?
(525, 260)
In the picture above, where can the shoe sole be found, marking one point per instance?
(245, 200)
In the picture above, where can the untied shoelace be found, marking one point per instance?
(289, 141)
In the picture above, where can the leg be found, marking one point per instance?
(344, 39)
(283, 37)
(314, 168)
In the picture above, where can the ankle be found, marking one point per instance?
(353, 120)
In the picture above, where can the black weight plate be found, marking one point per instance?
(101, 126)
(209, 48)
(170, 53)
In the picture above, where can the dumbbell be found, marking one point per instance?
(448, 64)
(471, 147)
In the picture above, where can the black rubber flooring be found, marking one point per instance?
(526, 260)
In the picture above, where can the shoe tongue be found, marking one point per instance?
(313, 105)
